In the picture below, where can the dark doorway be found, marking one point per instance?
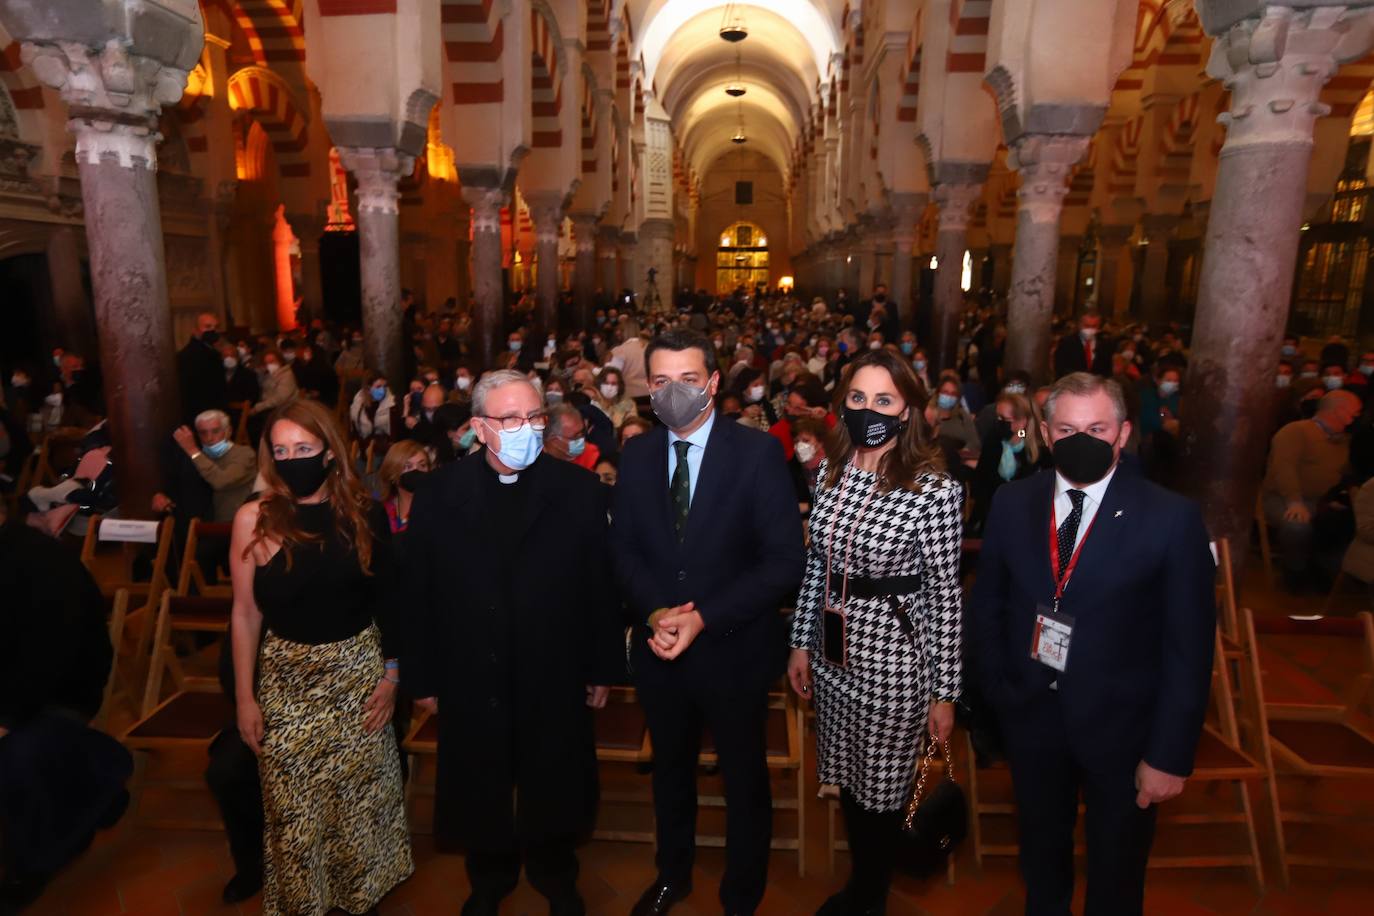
(25, 312)
(341, 282)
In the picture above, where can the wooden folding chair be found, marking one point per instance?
(29, 475)
(111, 563)
(421, 745)
(1319, 735)
(1262, 526)
(242, 410)
(119, 608)
(622, 737)
(192, 575)
(785, 754)
(183, 614)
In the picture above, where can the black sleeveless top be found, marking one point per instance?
(325, 596)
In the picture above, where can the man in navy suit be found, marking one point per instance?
(1093, 616)
(1085, 351)
(707, 546)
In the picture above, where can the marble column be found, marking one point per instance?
(628, 275)
(1066, 274)
(1275, 65)
(114, 98)
(585, 228)
(487, 336)
(546, 211)
(865, 250)
(75, 323)
(608, 245)
(955, 200)
(463, 254)
(1045, 162)
(1154, 274)
(1111, 250)
(656, 252)
(377, 171)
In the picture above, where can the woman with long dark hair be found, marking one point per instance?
(311, 560)
(876, 632)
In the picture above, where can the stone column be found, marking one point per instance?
(463, 254)
(546, 211)
(1001, 268)
(488, 299)
(628, 273)
(656, 251)
(114, 98)
(1275, 65)
(585, 228)
(379, 254)
(1111, 244)
(1066, 274)
(1045, 162)
(955, 200)
(1154, 276)
(608, 244)
(75, 324)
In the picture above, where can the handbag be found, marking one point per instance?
(936, 818)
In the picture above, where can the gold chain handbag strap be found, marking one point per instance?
(933, 748)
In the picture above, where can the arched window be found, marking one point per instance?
(742, 259)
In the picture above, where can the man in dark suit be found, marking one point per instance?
(1086, 351)
(200, 371)
(513, 636)
(1093, 616)
(707, 546)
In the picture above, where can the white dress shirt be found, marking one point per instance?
(695, 453)
(1063, 505)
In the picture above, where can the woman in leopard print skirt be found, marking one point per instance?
(311, 560)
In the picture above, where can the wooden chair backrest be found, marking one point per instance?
(191, 572)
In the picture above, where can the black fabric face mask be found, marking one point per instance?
(410, 480)
(303, 476)
(210, 338)
(1082, 458)
(870, 429)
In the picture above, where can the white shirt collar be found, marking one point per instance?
(1094, 491)
(700, 435)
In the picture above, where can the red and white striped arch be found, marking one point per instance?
(598, 25)
(263, 94)
(276, 34)
(911, 85)
(473, 41)
(589, 164)
(546, 85)
(1176, 142)
(968, 45)
(1121, 176)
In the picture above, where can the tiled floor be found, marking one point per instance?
(150, 872)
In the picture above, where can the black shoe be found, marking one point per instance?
(659, 899)
(241, 887)
(482, 905)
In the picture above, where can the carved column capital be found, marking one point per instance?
(546, 212)
(113, 97)
(956, 200)
(1275, 65)
(585, 229)
(1046, 163)
(378, 169)
(486, 204)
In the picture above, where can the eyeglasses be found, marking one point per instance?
(537, 421)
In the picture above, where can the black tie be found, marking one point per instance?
(1068, 532)
(681, 488)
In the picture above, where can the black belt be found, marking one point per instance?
(863, 587)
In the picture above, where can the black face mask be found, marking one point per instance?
(303, 476)
(1003, 429)
(870, 429)
(410, 480)
(1082, 458)
(210, 338)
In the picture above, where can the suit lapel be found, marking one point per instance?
(1109, 525)
(714, 461)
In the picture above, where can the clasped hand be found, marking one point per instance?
(675, 629)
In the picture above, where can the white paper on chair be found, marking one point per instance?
(1212, 545)
(136, 532)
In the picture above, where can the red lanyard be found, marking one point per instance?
(1061, 580)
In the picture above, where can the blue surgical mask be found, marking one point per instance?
(1289, 350)
(947, 401)
(1332, 382)
(1015, 388)
(217, 450)
(466, 439)
(1168, 389)
(378, 392)
(519, 448)
(908, 347)
(577, 446)
(919, 364)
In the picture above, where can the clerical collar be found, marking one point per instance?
(508, 478)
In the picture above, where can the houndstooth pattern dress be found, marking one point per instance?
(870, 717)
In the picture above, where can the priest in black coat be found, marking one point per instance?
(513, 632)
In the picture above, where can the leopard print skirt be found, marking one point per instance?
(336, 832)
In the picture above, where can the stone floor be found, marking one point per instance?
(154, 872)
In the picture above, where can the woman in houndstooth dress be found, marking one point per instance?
(890, 523)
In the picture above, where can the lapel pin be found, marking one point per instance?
(1119, 513)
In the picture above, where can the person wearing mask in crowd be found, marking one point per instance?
(920, 364)
(1127, 365)
(992, 348)
(463, 379)
(1159, 425)
(820, 356)
(351, 361)
(278, 387)
(1307, 459)
(756, 408)
(1086, 351)
(950, 421)
(240, 382)
(633, 426)
(807, 398)
(314, 376)
(200, 370)
(401, 473)
(513, 662)
(1290, 349)
(432, 420)
(1017, 382)
(612, 399)
(1335, 352)
(313, 588)
(1286, 373)
(565, 438)
(554, 392)
(907, 345)
(371, 413)
(607, 470)
(1333, 376)
(1093, 647)
(1011, 451)
(228, 469)
(628, 357)
(808, 450)
(703, 574)
(876, 634)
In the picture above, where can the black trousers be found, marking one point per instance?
(232, 776)
(550, 865)
(872, 851)
(1047, 777)
(676, 707)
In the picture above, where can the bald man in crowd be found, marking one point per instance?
(200, 371)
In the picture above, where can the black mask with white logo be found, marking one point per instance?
(870, 429)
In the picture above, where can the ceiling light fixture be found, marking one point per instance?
(732, 27)
(736, 88)
(739, 136)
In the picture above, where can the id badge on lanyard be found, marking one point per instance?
(835, 629)
(1053, 633)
